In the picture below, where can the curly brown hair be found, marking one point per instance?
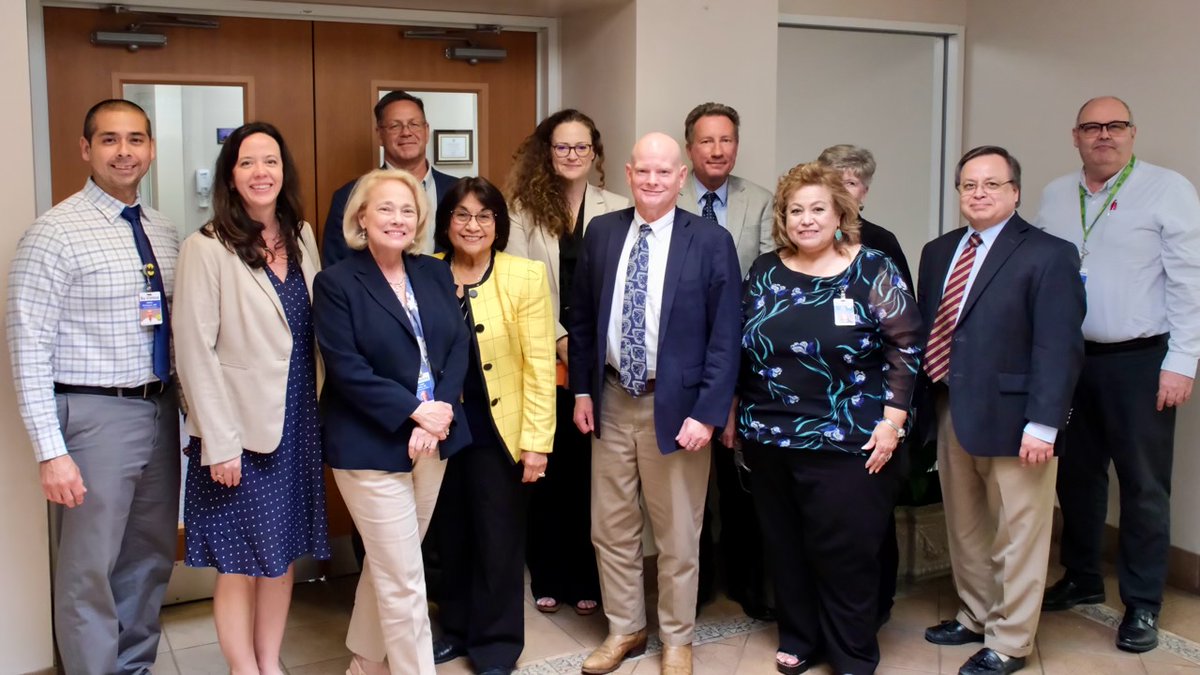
(534, 187)
(816, 173)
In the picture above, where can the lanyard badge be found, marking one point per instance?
(1109, 204)
(150, 307)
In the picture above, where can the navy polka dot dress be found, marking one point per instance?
(277, 513)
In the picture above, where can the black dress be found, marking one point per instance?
(561, 559)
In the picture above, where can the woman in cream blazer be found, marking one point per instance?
(508, 400)
(250, 373)
(553, 204)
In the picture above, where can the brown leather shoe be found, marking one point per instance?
(677, 660)
(615, 649)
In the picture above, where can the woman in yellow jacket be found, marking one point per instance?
(508, 398)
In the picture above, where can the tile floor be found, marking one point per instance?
(1068, 643)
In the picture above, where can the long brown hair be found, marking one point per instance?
(534, 187)
(231, 225)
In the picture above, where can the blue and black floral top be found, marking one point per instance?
(808, 383)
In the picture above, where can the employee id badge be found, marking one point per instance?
(1083, 275)
(843, 312)
(150, 308)
(425, 385)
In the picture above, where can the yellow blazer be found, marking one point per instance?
(232, 347)
(514, 329)
(529, 241)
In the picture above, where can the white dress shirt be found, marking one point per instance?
(659, 241)
(1143, 262)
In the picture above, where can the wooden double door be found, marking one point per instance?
(316, 81)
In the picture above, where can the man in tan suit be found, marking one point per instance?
(745, 209)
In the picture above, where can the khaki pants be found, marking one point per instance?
(998, 514)
(390, 504)
(626, 463)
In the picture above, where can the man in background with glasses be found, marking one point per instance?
(744, 209)
(404, 136)
(1137, 228)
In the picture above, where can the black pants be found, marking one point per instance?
(480, 520)
(823, 518)
(740, 548)
(561, 559)
(1114, 420)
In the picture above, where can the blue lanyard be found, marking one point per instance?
(425, 376)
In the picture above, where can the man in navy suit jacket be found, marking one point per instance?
(404, 135)
(654, 352)
(1004, 305)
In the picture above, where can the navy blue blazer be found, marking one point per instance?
(699, 330)
(1018, 347)
(333, 240)
(372, 360)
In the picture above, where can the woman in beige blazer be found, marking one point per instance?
(552, 205)
(254, 500)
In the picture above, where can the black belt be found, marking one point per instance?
(1093, 348)
(617, 376)
(148, 390)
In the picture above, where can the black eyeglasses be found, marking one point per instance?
(581, 149)
(1114, 128)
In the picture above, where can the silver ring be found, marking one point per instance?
(542, 474)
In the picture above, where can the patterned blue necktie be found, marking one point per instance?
(162, 332)
(709, 212)
(633, 316)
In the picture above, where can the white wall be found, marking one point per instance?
(25, 640)
(598, 58)
(690, 52)
(1032, 63)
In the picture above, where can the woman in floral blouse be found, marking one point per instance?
(830, 352)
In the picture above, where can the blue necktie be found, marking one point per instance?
(162, 332)
(709, 212)
(633, 316)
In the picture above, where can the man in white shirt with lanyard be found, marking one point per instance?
(1137, 228)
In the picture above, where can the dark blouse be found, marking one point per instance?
(808, 383)
(476, 406)
(881, 239)
(569, 245)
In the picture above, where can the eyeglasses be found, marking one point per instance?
(1114, 128)
(463, 216)
(581, 149)
(413, 127)
(990, 187)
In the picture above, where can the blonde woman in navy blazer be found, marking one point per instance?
(395, 350)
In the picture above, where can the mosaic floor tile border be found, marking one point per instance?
(1168, 641)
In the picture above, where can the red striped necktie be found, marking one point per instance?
(937, 351)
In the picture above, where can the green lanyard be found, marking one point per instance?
(1112, 195)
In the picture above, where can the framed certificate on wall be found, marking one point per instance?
(453, 146)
